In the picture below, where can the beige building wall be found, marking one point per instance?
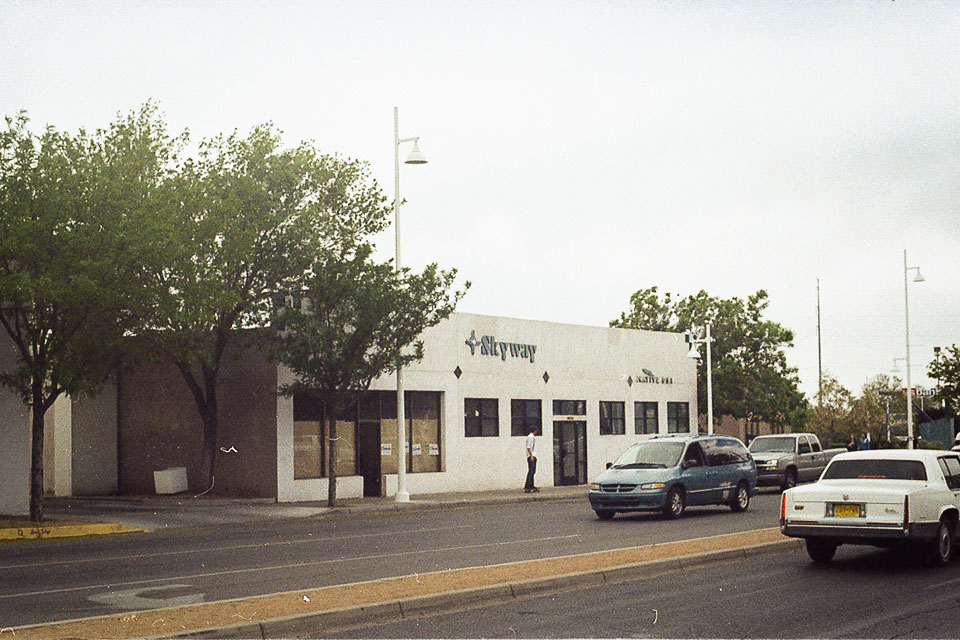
(14, 442)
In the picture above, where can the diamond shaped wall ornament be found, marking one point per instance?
(546, 377)
(458, 372)
(629, 381)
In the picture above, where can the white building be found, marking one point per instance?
(483, 381)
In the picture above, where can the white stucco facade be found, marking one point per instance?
(509, 359)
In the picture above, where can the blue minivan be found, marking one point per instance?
(668, 473)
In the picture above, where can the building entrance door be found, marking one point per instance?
(368, 458)
(569, 452)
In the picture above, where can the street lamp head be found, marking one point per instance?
(919, 277)
(416, 157)
(694, 353)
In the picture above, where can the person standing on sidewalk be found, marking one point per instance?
(531, 461)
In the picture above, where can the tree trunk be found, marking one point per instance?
(36, 455)
(332, 464)
(210, 425)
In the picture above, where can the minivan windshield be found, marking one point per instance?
(652, 454)
(772, 445)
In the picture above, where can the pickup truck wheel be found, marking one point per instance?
(942, 546)
(676, 503)
(741, 498)
(789, 480)
(820, 551)
(605, 514)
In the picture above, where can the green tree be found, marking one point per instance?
(867, 413)
(751, 378)
(831, 418)
(72, 245)
(946, 371)
(361, 320)
(250, 219)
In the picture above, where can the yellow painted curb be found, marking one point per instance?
(63, 530)
(305, 602)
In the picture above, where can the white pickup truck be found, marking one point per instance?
(788, 458)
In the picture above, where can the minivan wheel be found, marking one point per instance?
(820, 551)
(942, 547)
(676, 503)
(605, 514)
(741, 498)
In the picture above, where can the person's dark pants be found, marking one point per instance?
(531, 469)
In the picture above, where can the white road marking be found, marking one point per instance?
(206, 550)
(210, 574)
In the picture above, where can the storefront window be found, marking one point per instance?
(611, 418)
(481, 417)
(308, 454)
(569, 407)
(524, 415)
(678, 417)
(645, 418)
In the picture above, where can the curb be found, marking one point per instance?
(463, 599)
(313, 611)
(72, 530)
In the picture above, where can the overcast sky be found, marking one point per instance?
(581, 151)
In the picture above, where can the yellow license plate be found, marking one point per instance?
(846, 510)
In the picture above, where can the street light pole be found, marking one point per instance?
(415, 158)
(696, 354)
(906, 316)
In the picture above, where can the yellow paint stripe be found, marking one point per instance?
(31, 531)
(226, 613)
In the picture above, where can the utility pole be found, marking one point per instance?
(819, 353)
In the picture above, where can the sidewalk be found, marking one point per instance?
(82, 516)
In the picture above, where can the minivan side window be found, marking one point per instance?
(694, 454)
(719, 452)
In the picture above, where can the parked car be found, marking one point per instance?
(789, 458)
(669, 473)
(883, 497)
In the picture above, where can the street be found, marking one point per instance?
(864, 593)
(63, 579)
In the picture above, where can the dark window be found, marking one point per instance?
(815, 443)
(524, 415)
(678, 417)
(569, 407)
(721, 451)
(803, 445)
(612, 422)
(481, 417)
(645, 417)
(951, 471)
(694, 456)
(875, 470)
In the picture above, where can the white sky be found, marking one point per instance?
(580, 151)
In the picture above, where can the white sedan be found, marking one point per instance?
(882, 497)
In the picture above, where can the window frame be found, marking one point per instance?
(640, 409)
(520, 422)
(613, 424)
(673, 419)
(482, 418)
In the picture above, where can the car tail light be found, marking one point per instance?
(906, 514)
(783, 510)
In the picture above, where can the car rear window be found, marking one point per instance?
(876, 470)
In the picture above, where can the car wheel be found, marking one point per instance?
(741, 498)
(820, 551)
(676, 503)
(604, 514)
(942, 547)
(789, 480)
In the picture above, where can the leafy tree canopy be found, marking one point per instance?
(946, 371)
(751, 378)
(72, 244)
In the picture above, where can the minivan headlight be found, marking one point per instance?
(653, 485)
(593, 486)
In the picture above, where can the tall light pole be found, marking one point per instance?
(415, 157)
(694, 353)
(906, 316)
